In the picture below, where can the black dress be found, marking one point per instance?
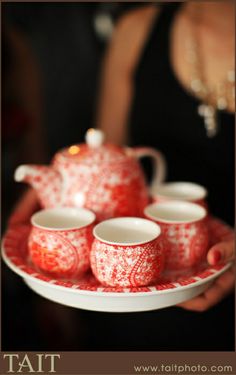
(164, 115)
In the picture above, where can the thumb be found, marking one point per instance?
(221, 252)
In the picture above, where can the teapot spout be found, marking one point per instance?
(46, 180)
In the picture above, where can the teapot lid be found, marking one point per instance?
(94, 150)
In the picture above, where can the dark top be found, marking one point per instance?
(164, 115)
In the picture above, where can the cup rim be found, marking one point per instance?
(201, 212)
(158, 191)
(156, 228)
(91, 217)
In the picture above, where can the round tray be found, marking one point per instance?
(87, 293)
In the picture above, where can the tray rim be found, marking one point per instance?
(215, 272)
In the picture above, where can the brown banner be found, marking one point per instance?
(118, 363)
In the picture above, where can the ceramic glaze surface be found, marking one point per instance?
(104, 178)
(87, 292)
(61, 253)
(185, 191)
(185, 231)
(126, 231)
(186, 244)
(115, 265)
(109, 190)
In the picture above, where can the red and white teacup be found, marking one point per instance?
(127, 251)
(60, 240)
(184, 229)
(184, 191)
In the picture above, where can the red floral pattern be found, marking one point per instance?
(16, 252)
(108, 189)
(62, 253)
(185, 244)
(115, 265)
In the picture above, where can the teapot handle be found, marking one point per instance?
(159, 164)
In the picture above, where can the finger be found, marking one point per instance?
(220, 289)
(221, 252)
(24, 209)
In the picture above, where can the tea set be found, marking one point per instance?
(99, 215)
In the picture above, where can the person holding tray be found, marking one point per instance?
(168, 82)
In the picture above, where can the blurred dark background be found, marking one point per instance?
(52, 55)
(50, 67)
(51, 59)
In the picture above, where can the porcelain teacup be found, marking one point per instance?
(127, 251)
(60, 240)
(184, 229)
(184, 191)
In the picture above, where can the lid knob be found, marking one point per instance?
(94, 138)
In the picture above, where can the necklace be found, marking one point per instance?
(213, 99)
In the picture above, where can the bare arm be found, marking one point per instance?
(113, 110)
(116, 80)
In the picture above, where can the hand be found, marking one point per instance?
(24, 209)
(222, 286)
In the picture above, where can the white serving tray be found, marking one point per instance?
(88, 294)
